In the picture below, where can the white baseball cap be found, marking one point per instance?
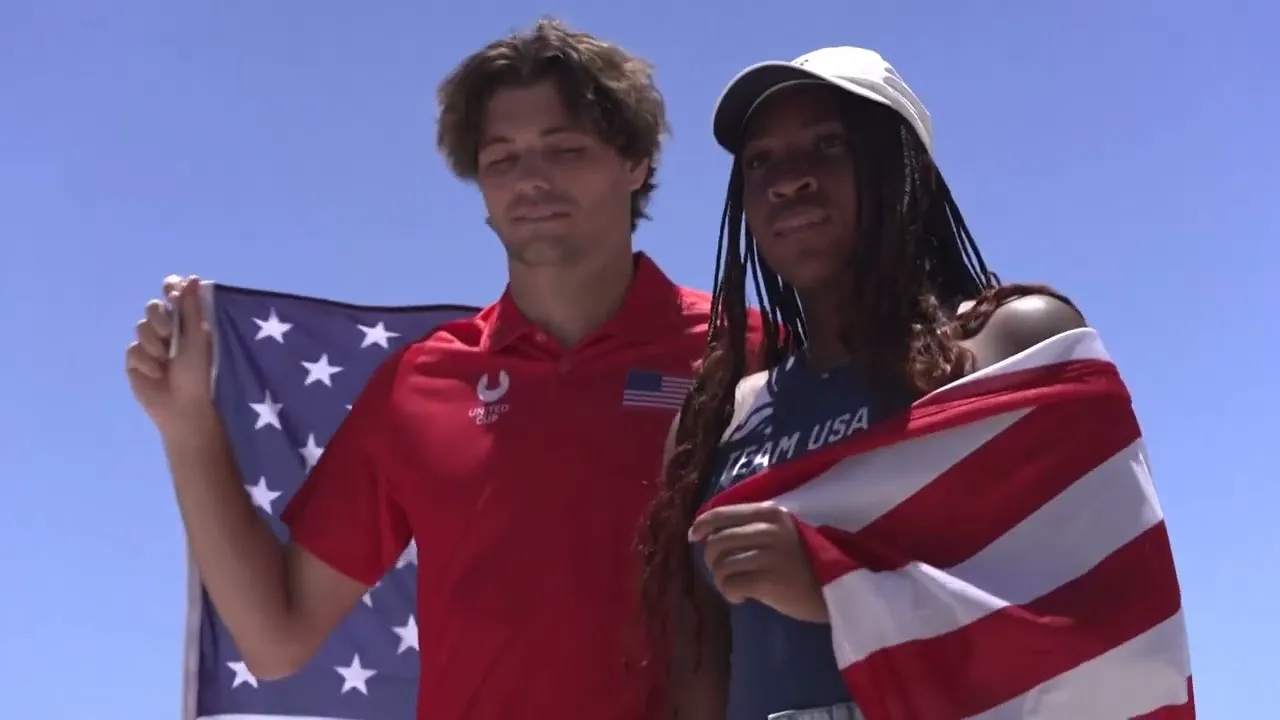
(858, 70)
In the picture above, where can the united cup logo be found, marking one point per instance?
(490, 409)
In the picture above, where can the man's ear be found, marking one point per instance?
(639, 172)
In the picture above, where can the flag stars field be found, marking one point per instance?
(276, 392)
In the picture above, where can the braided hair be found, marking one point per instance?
(914, 263)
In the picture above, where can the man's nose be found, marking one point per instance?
(531, 175)
(792, 187)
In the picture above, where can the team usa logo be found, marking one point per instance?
(490, 409)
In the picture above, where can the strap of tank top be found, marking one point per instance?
(745, 396)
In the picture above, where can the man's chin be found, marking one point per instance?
(543, 249)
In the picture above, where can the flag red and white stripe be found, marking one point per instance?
(998, 552)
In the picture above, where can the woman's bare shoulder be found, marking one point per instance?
(1022, 323)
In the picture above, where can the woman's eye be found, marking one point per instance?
(830, 143)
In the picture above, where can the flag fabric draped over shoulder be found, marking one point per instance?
(997, 552)
(287, 369)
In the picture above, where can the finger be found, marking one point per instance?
(739, 561)
(753, 536)
(732, 515)
(191, 309)
(150, 341)
(139, 362)
(157, 316)
(739, 586)
(171, 284)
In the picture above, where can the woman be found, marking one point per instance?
(873, 295)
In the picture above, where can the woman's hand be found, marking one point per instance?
(754, 551)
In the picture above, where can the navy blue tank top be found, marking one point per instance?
(777, 663)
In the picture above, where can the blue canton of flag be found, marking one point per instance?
(287, 370)
(648, 389)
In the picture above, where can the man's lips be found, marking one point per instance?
(539, 215)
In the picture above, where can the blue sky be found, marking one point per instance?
(1123, 152)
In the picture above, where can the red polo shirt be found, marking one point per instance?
(522, 470)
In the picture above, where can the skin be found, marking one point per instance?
(798, 191)
(798, 182)
(559, 200)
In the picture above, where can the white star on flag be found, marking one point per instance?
(311, 452)
(320, 371)
(262, 495)
(367, 599)
(272, 327)
(268, 413)
(354, 676)
(376, 335)
(408, 633)
(409, 556)
(243, 675)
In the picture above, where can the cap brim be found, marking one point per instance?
(753, 85)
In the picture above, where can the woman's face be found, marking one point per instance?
(799, 192)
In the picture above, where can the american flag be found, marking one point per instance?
(287, 369)
(646, 388)
(998, 552)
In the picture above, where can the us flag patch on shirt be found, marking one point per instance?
(648, 389)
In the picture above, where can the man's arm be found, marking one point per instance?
(279, 603)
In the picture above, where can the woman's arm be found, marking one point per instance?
(700, 669)
(699, 682)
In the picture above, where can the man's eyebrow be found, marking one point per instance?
(552, 131)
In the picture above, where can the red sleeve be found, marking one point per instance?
(346, 513)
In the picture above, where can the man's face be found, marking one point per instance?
(554, 191)
(798, 185)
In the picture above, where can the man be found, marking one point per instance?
(518, 448)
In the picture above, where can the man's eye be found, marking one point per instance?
(568, 152)
(500, 163)
(755, 161)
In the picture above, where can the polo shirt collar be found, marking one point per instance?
(652, 306)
